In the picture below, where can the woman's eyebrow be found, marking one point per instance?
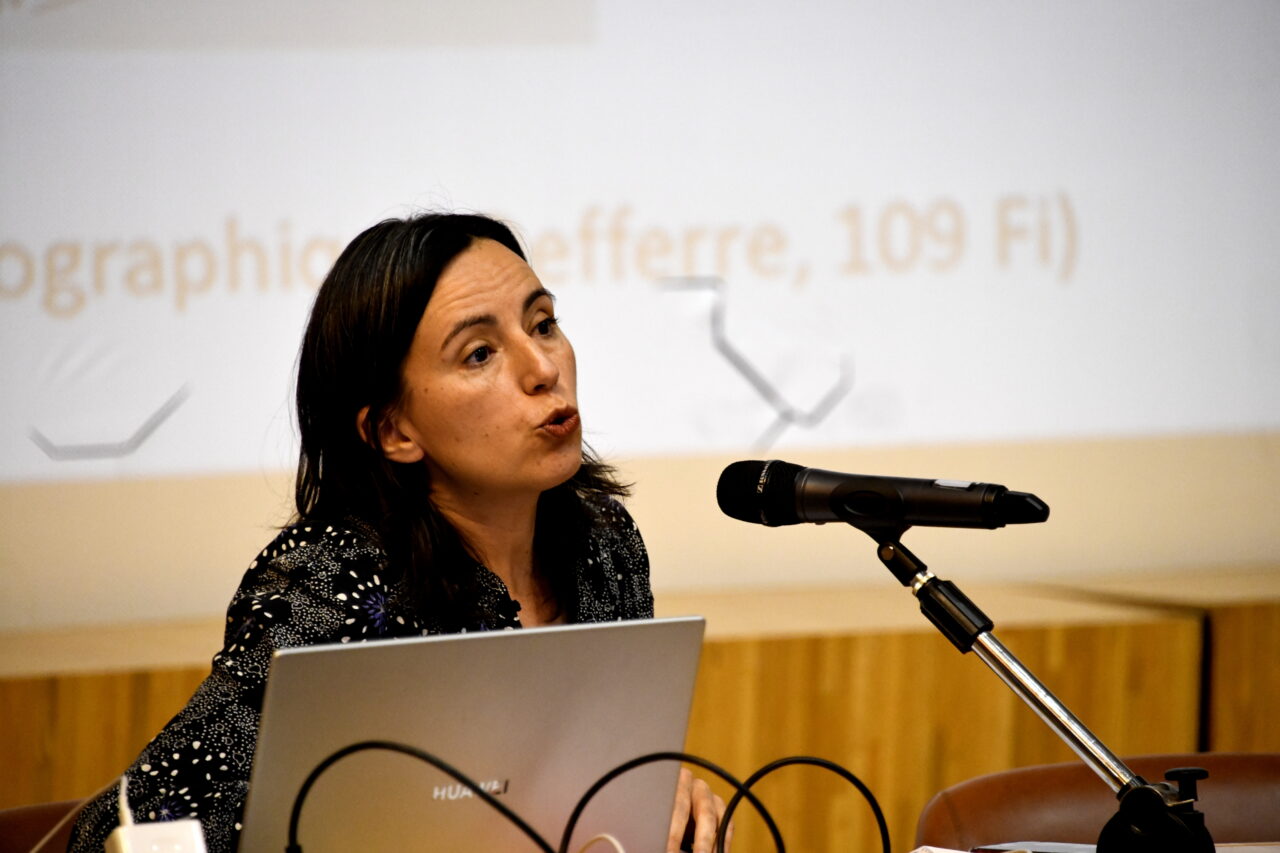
(467, 323)
(490, 320)
(535, 295)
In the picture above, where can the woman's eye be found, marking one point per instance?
(546, 325)
(479, 355)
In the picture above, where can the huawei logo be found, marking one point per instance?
(496, 787)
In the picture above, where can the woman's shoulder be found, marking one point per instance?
(323, 573)
(612, 527)
(615, 538)
(310, 549)
(613, 577)
(607, 511)
(345, 533)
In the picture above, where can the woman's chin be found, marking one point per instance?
(567, 466)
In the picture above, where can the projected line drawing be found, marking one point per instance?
(112, 450)
(786, 415)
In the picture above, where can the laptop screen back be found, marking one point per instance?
(535, 715)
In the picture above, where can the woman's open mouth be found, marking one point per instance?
(562, 422)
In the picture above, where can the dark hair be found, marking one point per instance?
(361, 326)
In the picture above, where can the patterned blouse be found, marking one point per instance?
(321, 584)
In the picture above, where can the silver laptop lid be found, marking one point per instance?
(535, 715)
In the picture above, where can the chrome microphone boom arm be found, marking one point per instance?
(1153, 818)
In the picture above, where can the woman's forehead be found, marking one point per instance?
(486, 279)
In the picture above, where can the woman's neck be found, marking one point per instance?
(500, 532)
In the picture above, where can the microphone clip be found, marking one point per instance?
(942, 603)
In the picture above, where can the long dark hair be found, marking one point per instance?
(362, 324)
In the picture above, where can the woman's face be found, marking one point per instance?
(489, 401)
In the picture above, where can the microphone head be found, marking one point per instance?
(759, 492)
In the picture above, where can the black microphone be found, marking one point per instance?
(776, 493)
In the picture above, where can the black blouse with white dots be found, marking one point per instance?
(314, 584)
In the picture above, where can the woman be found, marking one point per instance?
(442, 486)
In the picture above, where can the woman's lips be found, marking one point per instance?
(562, 424)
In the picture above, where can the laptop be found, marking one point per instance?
(535, 715)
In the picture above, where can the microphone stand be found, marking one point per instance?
(1153, 817)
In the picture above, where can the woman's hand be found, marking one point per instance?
(696, 815)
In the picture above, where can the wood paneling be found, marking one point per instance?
(1245, 707)
(66, 736)
(909, 715)
(903, 710)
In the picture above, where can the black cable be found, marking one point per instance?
(743, 790)
(296, 813)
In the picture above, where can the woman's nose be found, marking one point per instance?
(540, 370)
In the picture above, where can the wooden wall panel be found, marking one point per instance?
(66, 736)
(1245, 708)
(904, 711)
(909, 715)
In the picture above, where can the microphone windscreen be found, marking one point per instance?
(736, 491)
(759, 492)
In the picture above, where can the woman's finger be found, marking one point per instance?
(680, 811)
(707, 809)
(728, 832)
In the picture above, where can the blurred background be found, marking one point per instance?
(1009, 242)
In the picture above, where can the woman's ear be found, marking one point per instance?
(391, 440)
